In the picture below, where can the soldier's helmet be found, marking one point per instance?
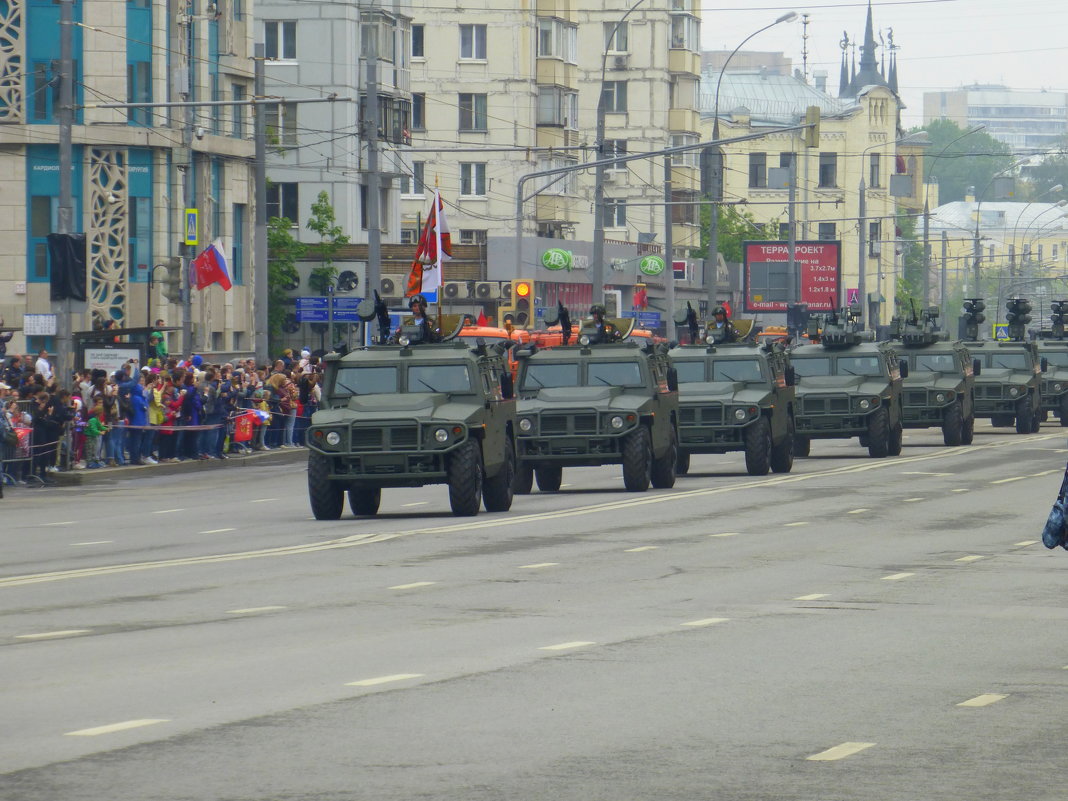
(417, 300)
(597, 310)
(719, 310)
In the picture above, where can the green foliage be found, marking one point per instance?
(1053, 170)
(735, 227)
(957, 162)
(331, 237)
(284, 250)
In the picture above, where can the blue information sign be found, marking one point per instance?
(345, 310)
(317, 310)
(646, 319)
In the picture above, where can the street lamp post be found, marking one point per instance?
(977, 251)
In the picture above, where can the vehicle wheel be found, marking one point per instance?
(1063, 413)
(1037, 419)
(968, 431)
(327, 497)
(1024, 416)
(682, 463)
(953, 425)
(782, 455)
(497, 491)
(662, 473)
(758, 447)
(365, 500)
(549, 478)
(524, 479)
(465, 479)
(637, 460)
(802, 446)
(879, 433)
(897, 434)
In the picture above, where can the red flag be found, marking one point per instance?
(482, 319)
(243, 427)
(435, 247)
(210, 268)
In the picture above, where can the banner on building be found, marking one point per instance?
(766, 278)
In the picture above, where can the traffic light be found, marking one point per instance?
(972, 318)
(1018, 316)
(1058, 316)
(517, 309)
(796, 317)
(172, 281)
(812, 133)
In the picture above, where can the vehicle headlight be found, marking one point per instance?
(403, 339)
(739, 414)
(1014, 391)
(940, 397)
(333, 438)
(1058, 387)
(616, 422)
(441, 435)
(584, 339)
(865, 404)
(710, 340)
(526, 425)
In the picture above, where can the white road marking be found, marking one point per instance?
(971, 558)
(923, 473)
(384, 679)
(641, 548)
(911, 500)
(793, 525)
(1045, 473)
(60, 523)
(413, 585)
(263, 500)
(708, 621)
(51, 635)
(254, 609)
(725, 534)
(218, 530)
(565, 646)
(983, 700)
(536, 565)
(839, 752)
(814, 597)
(898, 576)
(566, 485)
(167, 511)
(1008, 480)
(94, 542)
(857, 511)
(114, 727)
(961, 490)
(1026, 542)
(416, 503)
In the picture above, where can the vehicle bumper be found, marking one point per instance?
(576, 451)
(922, 416)
(831, 426)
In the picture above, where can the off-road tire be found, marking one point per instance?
(802, 446)
(662, 473)
(879, 433)
(497, 492)
(465, 479)
(897, 436)
(327, 497)
(682, 463)
(1024, 416)
(1036, 421)
(365, 500)
(1062, 412)
(953, 425)
(549, 478)
(637, 460)
(758, 447)
(968, 430)
(524, 479)
(782, 454)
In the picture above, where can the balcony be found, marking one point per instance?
(684, 61)
(683, 119)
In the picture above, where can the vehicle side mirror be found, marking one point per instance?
(673, 379)
(977, 367)
(1044, 364)
(791, 377)
(903, 365)
(507, 386)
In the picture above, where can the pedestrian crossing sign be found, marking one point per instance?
(191, 226)
(1001, 331)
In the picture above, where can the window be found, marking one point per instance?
(418, 111)
(472, 112)
(282, 201)
(615, 37)
(282, 124)
(139, 227)
(786, 160)
(237, 256)
(280, 39)
(557, 106)
(685, 33)
(417, 41)
(239, 13)
(828, 231)
(557, 39)
(873, 171)
(615, 213)
(685, 92)
(418, 169)
(758, 170)
(560, 184)
(473, 236)
(43, 215)
(473, 178)
(615, 147)
(409, 236)
(139, 90)
(614, 96)
(684, 207)
(828, 169)
(874, 238)
(687, 158)
(237, 130)
(473, 42)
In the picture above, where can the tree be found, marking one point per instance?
(1042, 177)
(735, 227)
(909, 285)
(283, 252)
(331, 238)
(956, 161)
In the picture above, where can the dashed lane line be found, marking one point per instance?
(415, 503)
(923, 473)
(970, 558)
(116, 727)
(167, 511)
(59, 523)
(641, 548)
(960, 489)
(983, 700)
(726, 534)
(1045, 473)
(515, 520)
(898, 576)
(840, 752)
(94, 542)
(412, 586)
(708, 621)
(538, 565)
(912, 500)
(218, 530)
(263, 500)
(795, 525)
(1008, 480)
(52, 635)
(384, 680)
(254, 610)
(814, 597)
(1025, 543)
(857, 511)
(565, 646)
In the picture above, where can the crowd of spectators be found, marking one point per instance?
(169, 410)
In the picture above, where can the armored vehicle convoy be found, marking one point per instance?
(848, 386)
(939, 389)
(406, 415)
(1053, 350)
(736, 397)
(605, 400)
(1009, 390)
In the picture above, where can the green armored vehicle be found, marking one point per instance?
(1009, 390)
(1053, 350)
(848, 386)
(606, 400)
(939, 389)
(736, 397)
(406, 415)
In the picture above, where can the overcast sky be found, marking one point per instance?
(943, 44)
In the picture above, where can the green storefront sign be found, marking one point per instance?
(557, 259)
(651, 265)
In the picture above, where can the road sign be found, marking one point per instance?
(678, 268)
(345, 310)
(852, 297)
(317, 309)
(1001, 331)
(646, 319)
(192, 227)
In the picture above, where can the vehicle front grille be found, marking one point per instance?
(916, 397)
(569, 424)
(405, 438)
(825, 404)
(366, 439)
(554, 424)
(988, 391)
(709, 415)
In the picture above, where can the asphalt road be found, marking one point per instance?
(858, 629)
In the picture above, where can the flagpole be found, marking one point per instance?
(437, 254)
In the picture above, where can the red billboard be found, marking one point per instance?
(766, 280)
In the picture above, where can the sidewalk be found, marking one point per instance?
(108, 474)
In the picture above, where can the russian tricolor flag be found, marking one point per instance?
(210, 267)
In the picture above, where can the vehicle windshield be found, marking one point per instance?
(860, 365)
(613, 374)
(438, 378)
(1058, 358)
(690, 372)
(365, 380)
(736, 370)
(810, 366)
(550, 374)
(936, 362)
(1007, 361)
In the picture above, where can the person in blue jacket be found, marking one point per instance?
(138, 420)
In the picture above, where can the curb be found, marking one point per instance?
(107, 475)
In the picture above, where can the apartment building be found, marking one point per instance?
(131, 165)
(1028, 121)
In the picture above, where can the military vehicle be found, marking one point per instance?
(1053, 350)
(847, 386)
(604, 400)
(736, 397)
(1009, 390)
(411, 413)
(939, 390)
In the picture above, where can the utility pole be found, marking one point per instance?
(260, 267)
(65, 221)
(945, 271)
(926, 254)
(713, 228)
(189, 192)
(862, 223)
(793, 274)
(669, 272)
(372, 179)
